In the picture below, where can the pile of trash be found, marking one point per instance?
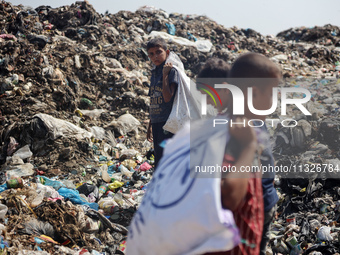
(326, 35)
(74, 113)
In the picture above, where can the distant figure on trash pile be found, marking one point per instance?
(163, 86)
(186, 211)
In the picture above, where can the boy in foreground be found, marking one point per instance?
(213, 68)
(256, 71)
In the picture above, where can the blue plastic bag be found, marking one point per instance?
(49, 182)
(171, 28)
(74, 197)
(3, 187)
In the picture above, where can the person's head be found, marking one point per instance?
(256, 71)
(157, 50)
(214, 71)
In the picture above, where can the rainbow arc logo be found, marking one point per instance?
(204, 87)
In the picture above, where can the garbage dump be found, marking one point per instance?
(74, 114)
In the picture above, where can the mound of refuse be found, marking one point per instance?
(74, 160)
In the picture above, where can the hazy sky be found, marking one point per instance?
(265, 16)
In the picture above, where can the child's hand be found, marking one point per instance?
(245, 135)
(166, 69)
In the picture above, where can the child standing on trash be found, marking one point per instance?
(270, 196)
(249, 216)
(163, 86)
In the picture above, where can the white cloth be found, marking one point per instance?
(180, 212)
(187, 102)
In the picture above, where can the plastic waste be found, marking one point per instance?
(129, 163)
(58, 127)
(119, 198)
(47, 191)
(102, 190)
(49, 182)
(12, 146)
(171, 28)
(115, 185)
(18, 168)
(125, 171)
(3, 187)
(37, 227)
(74, 197)
(87, 189)
(77, 61)
(105, 176)
(201, 44)
(145, 167)
(296, 250)
(107, 204)
(14, 183)
(37, 200)
(68, 184)
(125, 124)
(23, 152)
(3, 211)
(128, 153)
(324, 234)
(92, 197)
(94, 114)
(98, 132)
(2, 229)
(91, 226)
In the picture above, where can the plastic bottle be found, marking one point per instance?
(102, 190)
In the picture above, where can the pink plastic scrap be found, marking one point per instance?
(145, 167)
(7, 36)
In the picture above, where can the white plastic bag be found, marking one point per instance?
(24, 152)
(3, 211)
(201, 45)
(62, 128)
(178, 202)
(187, 101)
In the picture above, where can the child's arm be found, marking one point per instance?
(234, 185)
(168, 89)
(149, 133)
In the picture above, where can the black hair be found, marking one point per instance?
(214, 68)
(156, 42)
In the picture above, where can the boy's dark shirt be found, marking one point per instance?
(159, 110)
